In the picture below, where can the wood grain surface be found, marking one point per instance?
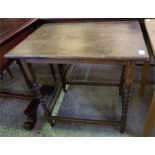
(118, 40)
(150, 27)
(8, 24)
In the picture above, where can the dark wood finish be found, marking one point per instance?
(144, 77)
(128, 80)
(150, 24)
(52, 71)
(39, 93)
(13, 31)
(84, 41)
(31, 110)
(8, 24)
(58, 118)
(13, 36)
(147, 64)
(11, 27)
(91, 83)
(72, 20)
(150, 121)
(94, 43)
(63, 76)
(76, 61)
(121, 86)
(57, 90)
(12, 95)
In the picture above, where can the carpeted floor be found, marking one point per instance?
(79, 101)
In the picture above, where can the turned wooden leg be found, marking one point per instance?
(27, 81)
(62, 76)
(121, 87)
(122, 80)
(144, 78)
(150, 121)
(125, 100)
(128, 80)
(52, 71)
(31, 110)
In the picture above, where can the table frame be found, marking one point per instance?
(124, 88)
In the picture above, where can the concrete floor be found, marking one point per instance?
(79, 101)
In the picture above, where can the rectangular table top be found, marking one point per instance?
(150, 27)
(112, 40)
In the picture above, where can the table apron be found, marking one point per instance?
(66, 61)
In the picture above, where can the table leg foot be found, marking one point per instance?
(31, 113)
(29, 123)
(31, 110)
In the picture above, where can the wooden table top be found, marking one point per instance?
(9, 24)
(10, 27)
(150, 27)
(117, 40)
